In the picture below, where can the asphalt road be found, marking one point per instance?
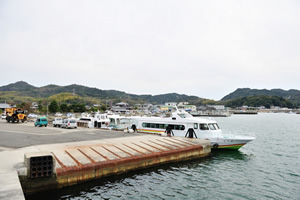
(19, 135)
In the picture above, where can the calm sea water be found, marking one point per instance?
(267, 168)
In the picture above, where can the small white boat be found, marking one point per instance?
(117, 122)
(183, 124)
(94, 120)
(101, 120)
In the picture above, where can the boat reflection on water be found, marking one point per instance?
(218, 154)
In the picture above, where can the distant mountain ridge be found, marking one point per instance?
(46, 91)
(18, 86)
(292, 95)
(23, 89)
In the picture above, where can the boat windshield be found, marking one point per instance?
(213, 126)
(126, 121)
(204, 127)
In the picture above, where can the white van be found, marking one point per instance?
(69, 123)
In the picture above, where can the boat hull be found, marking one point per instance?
(230, 143)
(220, 142)
(231, 147)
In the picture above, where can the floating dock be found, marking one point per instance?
(245, 113)
(59, 165)
(212, 115)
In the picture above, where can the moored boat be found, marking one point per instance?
(119, 123)
(94, 120)
(181, 123)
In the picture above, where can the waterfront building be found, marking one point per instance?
(34, 106)
(120, 108)
(171, 104)
(182, 104)
(3, 106)
(189, 108)
(218, 107)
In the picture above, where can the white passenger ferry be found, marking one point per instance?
(183, 124)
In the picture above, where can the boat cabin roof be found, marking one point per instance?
(175, 118)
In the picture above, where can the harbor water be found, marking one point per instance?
(267, 168)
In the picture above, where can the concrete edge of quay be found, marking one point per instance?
(37, 168)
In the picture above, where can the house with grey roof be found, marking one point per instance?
(3, 106)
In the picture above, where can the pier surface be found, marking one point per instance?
(77, 162)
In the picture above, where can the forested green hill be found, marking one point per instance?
(256, 101)
(291, 95)
(21, 92)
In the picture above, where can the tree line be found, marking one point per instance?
(257, 101)
(77, 107)
(54, 107)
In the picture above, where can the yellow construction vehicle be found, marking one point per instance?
(15, 115)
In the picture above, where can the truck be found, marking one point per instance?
(15, 115)
(41, 121)
(57, 122)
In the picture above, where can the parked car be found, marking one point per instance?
(3, 116)
(69, 123)
(41, 121)
(57, 122)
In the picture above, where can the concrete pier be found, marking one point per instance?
(83, 161)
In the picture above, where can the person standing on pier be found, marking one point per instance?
(169, 131)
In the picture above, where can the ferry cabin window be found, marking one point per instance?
(204, 127)
(146, 125)
(177, 127)
(212, 127)
(195, 126)
(163, 126)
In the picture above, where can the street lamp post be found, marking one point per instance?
(47, 108)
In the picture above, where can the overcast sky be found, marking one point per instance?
(193, 47)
